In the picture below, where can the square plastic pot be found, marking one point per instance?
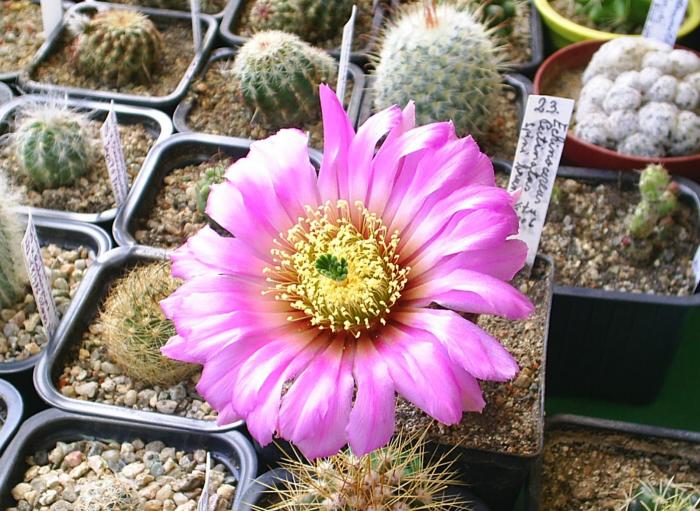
(599, 340)
(562, 421)
(536, 45)
(355, 77)
(68, 235)
(234, 11)
(157, 123)
(48, 427)
(83, 309)
(178, 151)
(158, 16)
(15, 411)
(216, 15)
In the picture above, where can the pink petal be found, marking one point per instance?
(337, 136)
(422, 372)
(316, 408)
(472, 397)
(471, 291)
(372, 420)
(467, 345)
(207, 252)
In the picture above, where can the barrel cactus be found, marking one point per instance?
(212, 175)
(664, 496)
(52, 144)
(135, 328)
(117, 47)
(446, 61)
(13, 277)
(314, 21)
(279, 75)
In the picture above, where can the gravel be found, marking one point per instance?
(21, 332)
(161, 478)
(20, 33)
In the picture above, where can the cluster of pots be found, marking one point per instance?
(595, 341)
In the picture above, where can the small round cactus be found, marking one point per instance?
(13, 277)
(279, 75)
(107, 494)
(52, 145)
(212, 175)
(135, 328)
(117, 47)
(443, 59)
(314, 21)
(394, 478)
(664, 496)
(623, 16)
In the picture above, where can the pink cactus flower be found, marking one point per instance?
(339, 291)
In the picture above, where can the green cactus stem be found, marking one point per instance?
(212, 175)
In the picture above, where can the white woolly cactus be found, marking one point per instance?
(641, 97)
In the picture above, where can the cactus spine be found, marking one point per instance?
(107, 494)
(117, 47)
(13, 277)
(136, 329)
(279, 75)
(52, 145)
(664, 496)
(445, 61)
(394, 478)
(212, 175)
(314, 21)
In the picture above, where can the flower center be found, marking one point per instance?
(339, 270)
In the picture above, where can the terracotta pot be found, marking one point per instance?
(582, 154)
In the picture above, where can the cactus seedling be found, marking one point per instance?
(136, 329)
(52, 144)
(443, 59)
(13, 277)
(117, 47)
(396, 478)
(279, 75)
(107, 494)
(314, 21)
(664, 496)
(212, 175)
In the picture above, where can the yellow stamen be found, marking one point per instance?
(374, 279)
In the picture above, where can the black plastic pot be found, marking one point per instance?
(564, 421)
(355, 75)
(257, 494)
(599, 340)
(15, 410)
(78, 318)
(216, 15)
(158, 16)
(520, 84)
(536, 45)
(157, 123)
(234, 11)
(46, 428)
(67, 235)
(178, 151)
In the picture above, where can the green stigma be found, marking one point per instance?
(331, 267)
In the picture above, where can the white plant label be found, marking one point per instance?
(536, 162)
(664, 19)
(41, 286)
(196, 25)
(114, 156)
(51, 15)
(696, 269)
(345, 49)
(203, 504)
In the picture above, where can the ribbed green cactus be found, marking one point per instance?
(659, 200)
(314, 21)
(13, 277)
(279, 75)
(117, 47)
(443, 59)
(52, 145)
(212, 175)
(665, 496)
(136, 329)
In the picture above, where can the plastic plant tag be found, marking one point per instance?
(696, 270)
(664, 19)
(536, 162)
(114, 156)
(51, 15)
(196, 25)
(41, 286)
(203, 504)
(345, 49)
